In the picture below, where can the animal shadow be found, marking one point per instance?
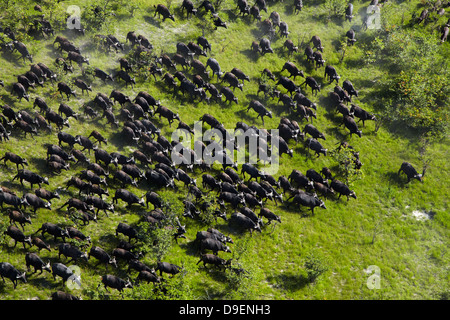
(397, 179)
(151, 20)
(289, 282)
(251, 54)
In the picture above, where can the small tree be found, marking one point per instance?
(315, 265)
(238, 277)
(349, 166)
(334, 8)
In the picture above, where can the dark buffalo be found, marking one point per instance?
(308, 200)
(61, 270)
(11, 199)
(251, 170)
(61, 295)
(82, 85)
(317, 43)
(243, 222)
(167, 268)
(350, 37)
(52, 116)
(408, 169)
(125, 77)
(228, 94)
(444, 34)
(289, 45)
(350, 124)
(40, 244)
(299, 179)
(128, 197)
(269, 215)
(54, 230)
(298, 5)
(71, 251)
(67, 138)
(349, 12)
(362, 114)
(167, 113)
(77, 204)
(312, 83)
(126, 230)
(105, 157)
(14, 158)
(31, 177)
(9, 271)
(348, 86)
(315, 145)
(215, 67)
(77, 58)
(260, 109)
(214, 245)
(264, 45)
(342, 189)
(20, 91)
(115, 282)
(98, 203)
(314, 132)
(36, 202)
(17, 235)
(22, 49)
(18, 216)
(214, 260)
(331, 74)
(234, 199)
(162, 10)
(102, 75)
(189, 7)
(32, 259)
(64, 88)
(102, 256)
(292, 69)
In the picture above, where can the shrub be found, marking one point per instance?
(416, 92)
(315, 265)
(171, 288)
(334, 8)
(347, 160)
(238, 276)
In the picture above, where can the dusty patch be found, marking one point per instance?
(422, 215)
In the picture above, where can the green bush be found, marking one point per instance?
(416, 91)
(315, 265)
(334, 8)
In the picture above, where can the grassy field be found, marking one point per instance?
(379, 228)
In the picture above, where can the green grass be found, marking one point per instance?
(412, 255)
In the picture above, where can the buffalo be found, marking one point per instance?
(128, 197)
(31, 177)
(14, 158)
(162, 10)
(260, 109)
(9, 271)
(243, 222)
(408, 169)
(342, 189)
(115, 282)
(308, 200)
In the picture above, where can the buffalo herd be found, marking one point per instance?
(106, 183)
